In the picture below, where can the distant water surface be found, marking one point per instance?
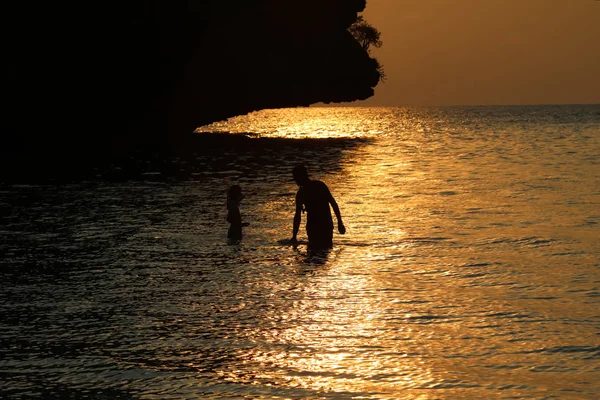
(470, 269)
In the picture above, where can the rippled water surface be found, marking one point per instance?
(470, 268)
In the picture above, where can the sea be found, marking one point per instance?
(470, 268)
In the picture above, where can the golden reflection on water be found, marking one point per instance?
(436, 284)
(298, 123)
(469, 269)
(333, 334)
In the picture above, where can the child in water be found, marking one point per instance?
(234, 197)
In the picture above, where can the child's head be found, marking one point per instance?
(235, 193)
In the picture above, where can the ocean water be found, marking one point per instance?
(470, 268)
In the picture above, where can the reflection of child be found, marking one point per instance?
(234, 197)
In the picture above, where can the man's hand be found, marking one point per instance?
(341, 228)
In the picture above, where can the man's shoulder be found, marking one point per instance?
(320, 186)
(318, 183)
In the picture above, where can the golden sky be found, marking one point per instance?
(476, 52)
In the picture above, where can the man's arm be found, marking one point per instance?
(338, 214)
(297, 218)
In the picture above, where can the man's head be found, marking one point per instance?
(300, 174)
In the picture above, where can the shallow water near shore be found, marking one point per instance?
(470, 267)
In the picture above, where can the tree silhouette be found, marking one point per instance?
(365, 34)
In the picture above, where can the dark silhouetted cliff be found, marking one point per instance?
(103, 75)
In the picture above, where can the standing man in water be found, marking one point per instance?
(314, 197)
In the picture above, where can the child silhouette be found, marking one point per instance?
(234, 197)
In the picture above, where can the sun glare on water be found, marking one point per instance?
(436, 288)
(299, 123)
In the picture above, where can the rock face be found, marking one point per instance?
(118, 73)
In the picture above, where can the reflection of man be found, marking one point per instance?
(314, 198)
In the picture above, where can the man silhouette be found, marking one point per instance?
(314, 197)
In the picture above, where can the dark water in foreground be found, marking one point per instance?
(471, 266)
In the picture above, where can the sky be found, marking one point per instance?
(486, 52)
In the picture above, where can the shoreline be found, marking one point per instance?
(148, 161)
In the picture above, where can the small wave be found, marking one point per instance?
(428, 239)
(568, 253)
(474, 275)
(483, 264)
(589, 352)
(448, 384)
(448, 193)
(423, 319)
(508, 314)
(532, 241)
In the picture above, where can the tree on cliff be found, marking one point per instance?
(365, 34)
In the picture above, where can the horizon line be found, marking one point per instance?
(349, 104)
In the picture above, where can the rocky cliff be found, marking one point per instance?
(117, 73)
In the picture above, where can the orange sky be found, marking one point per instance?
(446, 52)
